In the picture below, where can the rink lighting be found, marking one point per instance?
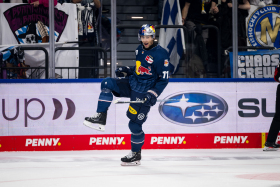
(137, 17)
(108, 63)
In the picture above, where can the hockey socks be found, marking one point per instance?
(137, 141)
(137, 136)
(104, 101)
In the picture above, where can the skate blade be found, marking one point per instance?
(95, 126)
(270, 149)
(136, 163)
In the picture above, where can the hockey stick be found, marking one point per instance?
(117, 101)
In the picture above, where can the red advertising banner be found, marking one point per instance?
(111, 142)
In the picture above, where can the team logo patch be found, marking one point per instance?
(132, 110)
(141, 70)
(149, 59)
(141, 116)
(263, 27)
(193, 108)
(166, 62)
(142, 52)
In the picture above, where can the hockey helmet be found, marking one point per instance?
(146, 30)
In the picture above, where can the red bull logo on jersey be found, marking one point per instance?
(141, 70)
(166, 62)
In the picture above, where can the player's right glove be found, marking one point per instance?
(124, 71)
(277, 73)
(150, 98)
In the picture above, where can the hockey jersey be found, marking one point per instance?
(151, 71)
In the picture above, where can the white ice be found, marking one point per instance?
(160, 168)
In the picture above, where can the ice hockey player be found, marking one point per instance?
(270, 144)
(145, 81)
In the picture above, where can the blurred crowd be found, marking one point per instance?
(197, 15)
(202, 43)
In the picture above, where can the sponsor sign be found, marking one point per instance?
(57, 109)
(42, 142)
(49, 116)
(230, 139)
(122, 141)
(255, 106)
(106, 141)
(167, 140)
(194, 108)
(256, 64)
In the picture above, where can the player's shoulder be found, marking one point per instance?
(161, 54)
(161, 49)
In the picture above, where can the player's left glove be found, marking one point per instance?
(277, 73)
(124, 71)
(150, 98)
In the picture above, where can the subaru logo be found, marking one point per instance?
(194, 108)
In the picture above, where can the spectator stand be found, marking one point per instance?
(13, 63)
(89, 23)
(35, 72)
(211, 68)
(92, 68)
(89, 36)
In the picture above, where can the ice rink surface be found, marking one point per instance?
(170, 168)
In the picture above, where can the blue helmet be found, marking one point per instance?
(145, 30)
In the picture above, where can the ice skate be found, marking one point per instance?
(132, 159)
(97, 121)
(271, 146)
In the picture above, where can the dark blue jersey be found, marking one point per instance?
(151, 71)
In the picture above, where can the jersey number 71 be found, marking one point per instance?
(165, 74)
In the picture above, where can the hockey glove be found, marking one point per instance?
(124, 71)
(150, 98)
(277, 73)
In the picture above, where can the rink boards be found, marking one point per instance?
(49, 115)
